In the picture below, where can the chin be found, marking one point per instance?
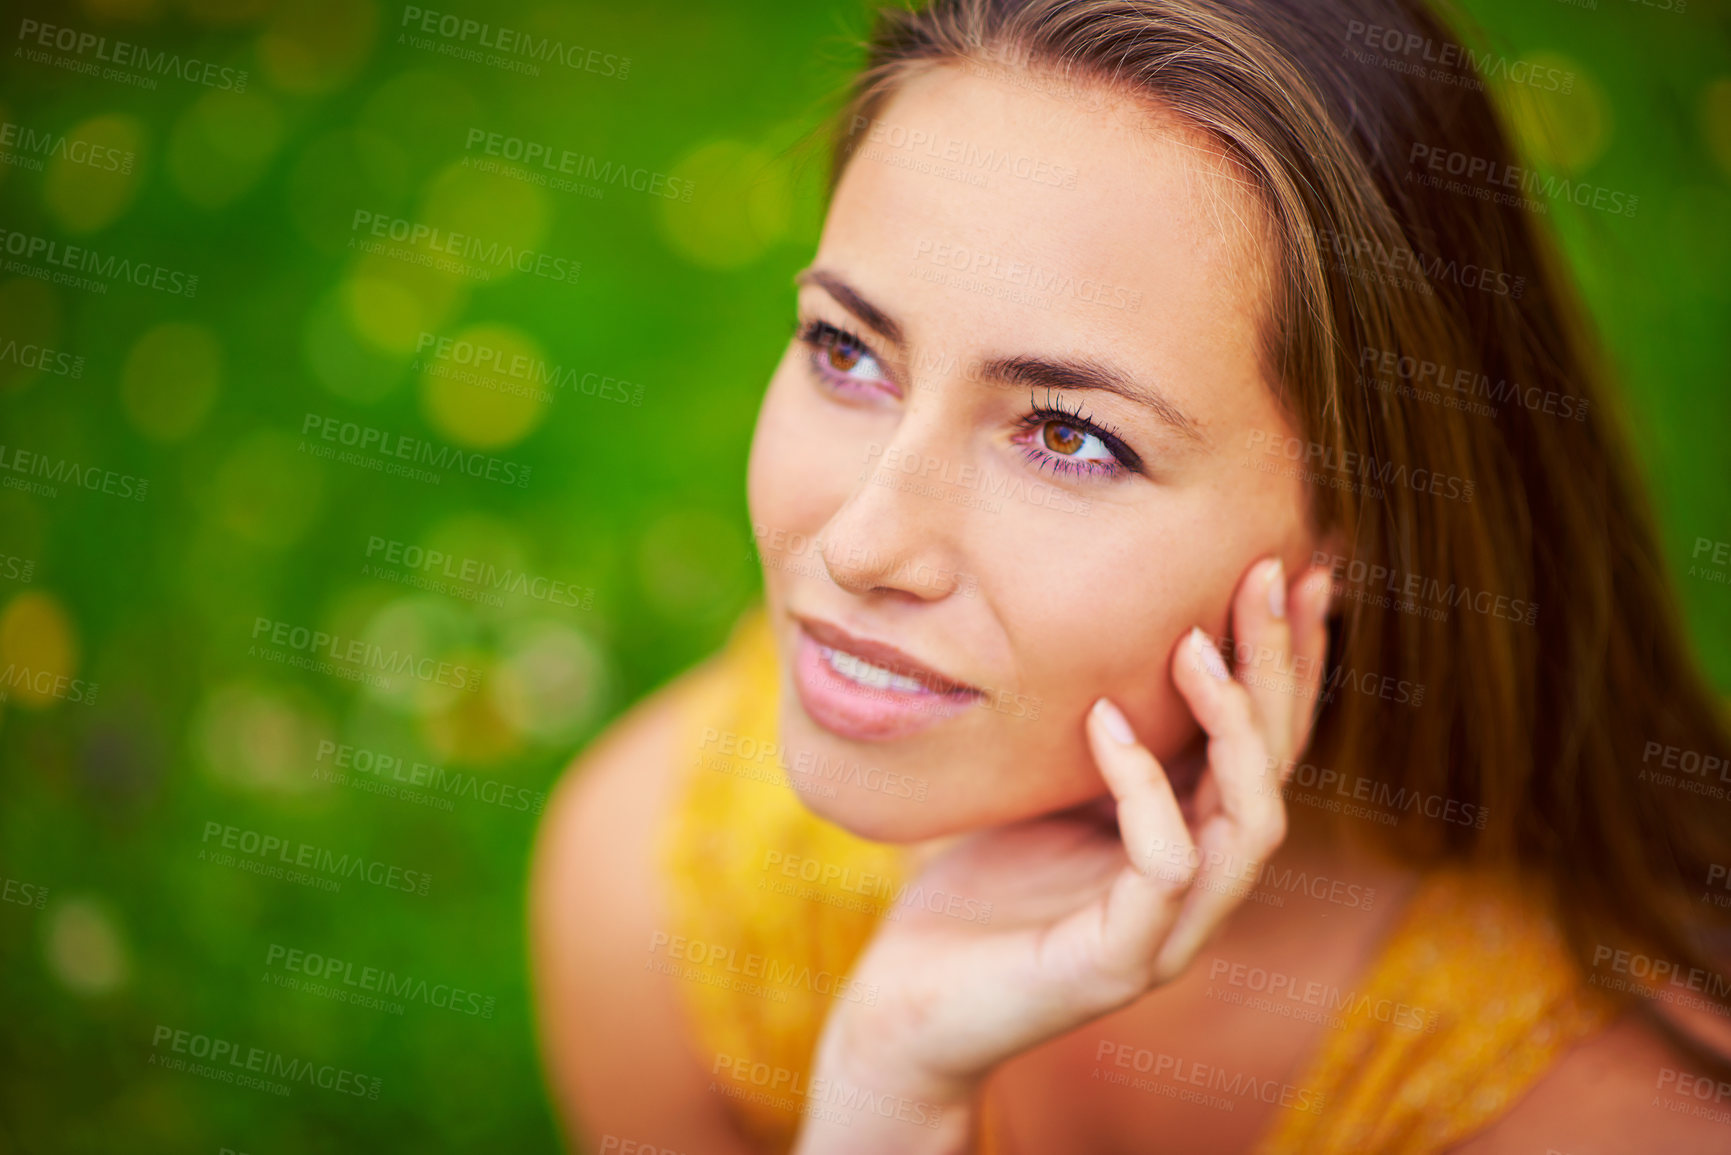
(888, 792)
(865, 814)
(861, 786)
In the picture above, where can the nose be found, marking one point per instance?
(900, 533)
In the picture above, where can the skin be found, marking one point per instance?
(1053, 620)
(1104, 857)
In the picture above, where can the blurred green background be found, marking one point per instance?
(120, 916)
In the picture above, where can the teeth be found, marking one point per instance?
(859, 670)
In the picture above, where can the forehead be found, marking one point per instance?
(1041, 214)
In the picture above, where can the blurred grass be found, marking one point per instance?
(105, 804)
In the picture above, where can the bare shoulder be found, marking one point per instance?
(620, 1059)
(1625, 1091)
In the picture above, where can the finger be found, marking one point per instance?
(1111, 943)
(1307, 612)
(1262, 640)
(1229, 863)
(1251, 821)
(1237, 752)
(1149, 820)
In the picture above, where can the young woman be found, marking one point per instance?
(1215, 672)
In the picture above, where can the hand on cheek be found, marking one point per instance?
(1119, 910)
(1254, 725)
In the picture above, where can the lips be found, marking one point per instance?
(883, 656)
(870, 691)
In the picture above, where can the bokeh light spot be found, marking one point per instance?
(38, 650)
(316, 46)
(266, 491)
(400, 300)
(259, 737)
(418, 640)
(548, 684)
(384, 311)
(88, 194)
(1563, 131)
(483, 393)
(170, 379)
(742, 205)
(497, 212)
(471, 730)
(222, 144)
(339, 360)
(85, 950)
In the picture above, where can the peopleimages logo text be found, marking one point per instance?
(78, 259)
(125, 54)
(57, 471)
(534, 154)
(375, 980)
(370, 655)
(306, 856)
(510, 44)
(383, 767)
(419, 450)
(488, 256)
(487, 359)
(19, 143)
(259, 1061)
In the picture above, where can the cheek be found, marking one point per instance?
(799, 473)
(783, 518)
(1091, 618)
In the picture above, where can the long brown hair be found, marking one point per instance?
(1546, 641)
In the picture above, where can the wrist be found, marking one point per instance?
(873, 1046)
(867, 1098)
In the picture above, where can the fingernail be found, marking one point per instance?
(1207, 654)
(1277, 589)
(1116, 724)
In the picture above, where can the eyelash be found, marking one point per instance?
(820, 337)
(1124, 460)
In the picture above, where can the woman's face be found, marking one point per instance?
(1009, 461)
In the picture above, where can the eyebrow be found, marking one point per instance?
(849, 298)
(1076, 374)
(1087, 374)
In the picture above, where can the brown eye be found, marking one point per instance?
(843, 356)
(1061, 438)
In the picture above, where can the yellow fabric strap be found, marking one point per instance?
(1501, 1000)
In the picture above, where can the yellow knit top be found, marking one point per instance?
(769, 905)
